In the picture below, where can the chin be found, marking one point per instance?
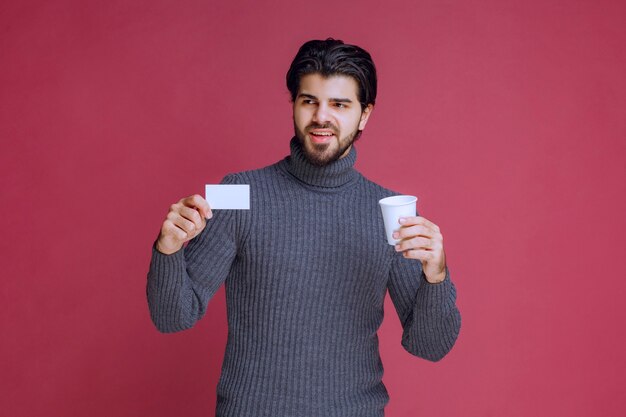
(319, 154)
(322, 158)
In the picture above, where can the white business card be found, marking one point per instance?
(228, 196)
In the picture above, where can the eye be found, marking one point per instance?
(340, 105)
(308, 101)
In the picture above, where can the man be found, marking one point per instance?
(306, 269)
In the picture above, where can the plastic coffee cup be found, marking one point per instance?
(393, 208)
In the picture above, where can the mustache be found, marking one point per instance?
(324, 126)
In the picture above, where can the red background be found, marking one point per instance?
(506, 118)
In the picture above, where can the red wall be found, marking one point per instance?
(506, 118)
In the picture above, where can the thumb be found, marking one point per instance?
(206, 212)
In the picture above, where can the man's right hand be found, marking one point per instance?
(185, 220)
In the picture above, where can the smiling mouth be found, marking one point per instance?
(321, 135)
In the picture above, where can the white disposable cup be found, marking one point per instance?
(393, 208)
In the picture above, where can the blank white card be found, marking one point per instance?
(228, 196)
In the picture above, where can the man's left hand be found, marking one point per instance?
(422, 239)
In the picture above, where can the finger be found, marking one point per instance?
(197, 202)
(417, 220)
(422, 255)
(415, 243)
(410, 231)
(173, 231)
(185, 225)
(192, 215)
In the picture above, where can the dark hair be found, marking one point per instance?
(333, 57)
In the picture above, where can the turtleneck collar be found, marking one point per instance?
(333, 175)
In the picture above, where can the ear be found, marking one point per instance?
(365, 116)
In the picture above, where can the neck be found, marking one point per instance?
(332, 175)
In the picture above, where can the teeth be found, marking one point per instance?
(323, 134)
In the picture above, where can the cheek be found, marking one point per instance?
(351, 121)
(301, 117)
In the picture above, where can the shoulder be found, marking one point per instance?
(251, 175)
(376, 189)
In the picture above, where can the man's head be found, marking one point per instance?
(333, 90)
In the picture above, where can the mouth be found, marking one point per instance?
(321, 135)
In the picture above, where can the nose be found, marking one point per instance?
(321, 115)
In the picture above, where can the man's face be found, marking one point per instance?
(327, 116)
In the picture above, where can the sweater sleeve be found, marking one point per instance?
(180, 285)
(428, 313)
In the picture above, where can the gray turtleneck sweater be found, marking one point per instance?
(306, 271)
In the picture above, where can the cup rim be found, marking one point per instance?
(392, 200)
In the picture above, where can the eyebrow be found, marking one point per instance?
(336, 100)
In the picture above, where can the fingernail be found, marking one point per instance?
(402, 220)
(397, 247)
(395, 235)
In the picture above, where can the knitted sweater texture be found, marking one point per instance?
(306, 271)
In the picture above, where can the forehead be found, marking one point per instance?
(334, 86)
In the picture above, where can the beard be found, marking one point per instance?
(320, 154)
